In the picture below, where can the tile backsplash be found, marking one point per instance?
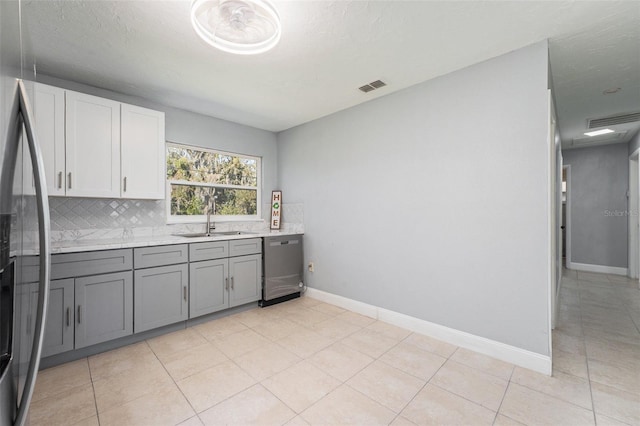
(100, 213)
(102, 218)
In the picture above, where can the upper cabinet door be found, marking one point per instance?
(48, 109)
(92, 146)
(143, 153)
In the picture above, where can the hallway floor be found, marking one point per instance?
(307, 362)
(597, 338)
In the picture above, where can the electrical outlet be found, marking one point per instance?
(310, 267)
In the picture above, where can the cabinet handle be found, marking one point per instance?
(226, 283)
(79, 313)
(69, 180)
(124, 185)
(231, 283)
(184, 292)
(68, 316)
(59, 180)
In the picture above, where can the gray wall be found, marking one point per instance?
(599, 183)
(434, 201)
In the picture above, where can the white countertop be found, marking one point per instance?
(74, 246)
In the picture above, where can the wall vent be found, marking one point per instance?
(613, 120)
(372, 86)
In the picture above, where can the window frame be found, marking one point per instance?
(177, 219)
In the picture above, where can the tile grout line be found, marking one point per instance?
(504, 395)
(173, 380)
(93, 388)
(374, 359)
(307, 358)
(376, 402)
(628, 311)
(231, 359)
(586, 356)
(302, 359)
(426, 382)
(296, 414)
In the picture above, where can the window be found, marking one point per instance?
(197, 177)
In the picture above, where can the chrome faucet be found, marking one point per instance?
(211, 206)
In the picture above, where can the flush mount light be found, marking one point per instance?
(243, 27)
(599, 132)
(611, 91)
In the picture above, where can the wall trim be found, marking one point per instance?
(602, 269)
(520, 357)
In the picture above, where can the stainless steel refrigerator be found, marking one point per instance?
(24, 223)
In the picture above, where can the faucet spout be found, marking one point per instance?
(207, 230)
(211, 226)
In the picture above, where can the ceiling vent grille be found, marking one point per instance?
(372, 86)
(613, 120)
(599, 140)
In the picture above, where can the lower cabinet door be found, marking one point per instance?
(58, 335)
(104, 308)
(58, 332)
(209, 286)
(161, 296)
(245, 277)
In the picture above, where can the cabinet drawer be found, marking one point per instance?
(208, 251)
(73, 265)
(147, 257)
(242, 247)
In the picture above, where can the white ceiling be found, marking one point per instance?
(330, 48)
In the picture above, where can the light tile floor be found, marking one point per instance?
(307, 362)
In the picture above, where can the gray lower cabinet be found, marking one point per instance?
(224, 274)
(245, 276)
(161, 296)
(208, 287)
(103, 308)
(58, 335)
(96, 296)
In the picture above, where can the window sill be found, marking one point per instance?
(203, 219)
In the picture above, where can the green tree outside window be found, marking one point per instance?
(195, 175)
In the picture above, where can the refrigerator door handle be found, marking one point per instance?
(25, 116)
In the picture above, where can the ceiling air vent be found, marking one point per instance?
(599, 140)
(372, 86)
(613, 120)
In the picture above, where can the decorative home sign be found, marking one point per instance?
(276, 208)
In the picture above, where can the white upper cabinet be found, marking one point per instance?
(48, 111)
(92, 146)
(142, 153)
(98, 148)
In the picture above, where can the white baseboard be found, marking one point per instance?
(586, 267)
(343, 302)
(502, 351)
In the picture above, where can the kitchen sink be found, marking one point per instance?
(214, 234)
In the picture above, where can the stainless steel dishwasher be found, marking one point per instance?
(283, 268)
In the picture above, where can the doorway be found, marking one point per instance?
(634, 208)
(566, 216)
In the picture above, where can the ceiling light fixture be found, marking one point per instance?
(611, 91)
(599, 132)
(244, 27)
